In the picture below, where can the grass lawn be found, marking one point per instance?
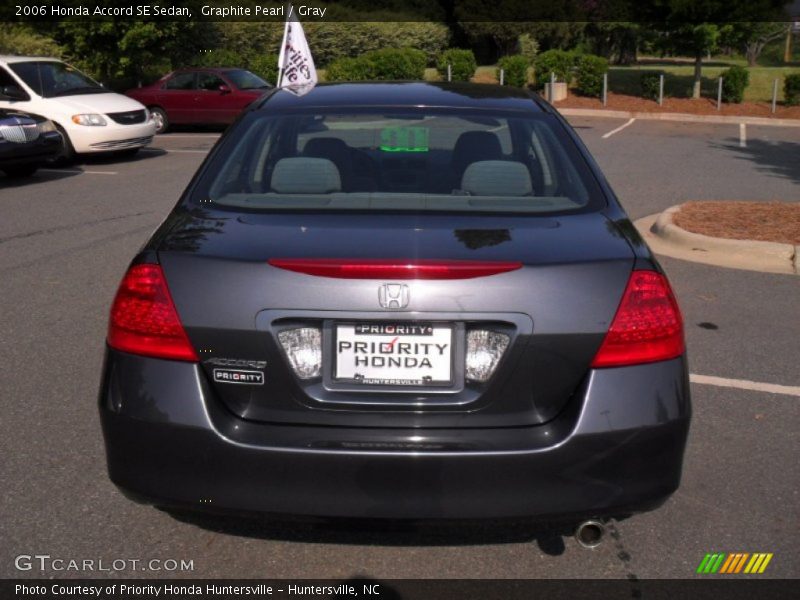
(679, 77)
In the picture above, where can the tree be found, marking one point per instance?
(119, 48)
(697, 40)
(552, 23)
(616, 40)
(21, 39)
(692, 27)
(751, 37)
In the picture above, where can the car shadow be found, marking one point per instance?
(44, 174)
(549, 537)
(778, 158)
(144, 154)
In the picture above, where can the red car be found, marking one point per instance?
(202, 96)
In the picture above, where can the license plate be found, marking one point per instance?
(410, 354)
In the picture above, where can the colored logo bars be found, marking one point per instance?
(741, 562)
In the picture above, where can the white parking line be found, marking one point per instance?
(169, 136)
(744, 384)
(79, 171)
(742, 135)
(176, 151)
(618, 129)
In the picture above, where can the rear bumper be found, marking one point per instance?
(618, 448)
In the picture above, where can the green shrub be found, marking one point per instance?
(560, 62)
(515, 69)
(20, 39)
(734, 82)
(349, 69)
(392, 64)
(651, 83)
(387, 64)
(791, 89)
(528, 47)
(589, 72)
(340, 37)
(265, 66)
(462, 63)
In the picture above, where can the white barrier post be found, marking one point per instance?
(605, 89)
(449, 72)
(774, 95)
(719, 95)
(502, 76)
(661, 89)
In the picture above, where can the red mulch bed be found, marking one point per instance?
(764, 221)
(701, 106)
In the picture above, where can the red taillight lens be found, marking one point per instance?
(393, 268)
(144, 319)
(647, 327)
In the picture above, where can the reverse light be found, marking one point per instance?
(484, 351)
(303, 348)
(91, 119)
(143, 317)
(361, 268)
(647, 327)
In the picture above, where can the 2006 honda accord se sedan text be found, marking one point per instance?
(397, 300)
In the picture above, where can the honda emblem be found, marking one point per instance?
(393, 295)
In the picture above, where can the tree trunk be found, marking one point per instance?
(787, 49)
(698, 75)
(752, 55)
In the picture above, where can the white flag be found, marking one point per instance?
(295, 64)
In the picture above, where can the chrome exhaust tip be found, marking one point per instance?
(589, 534)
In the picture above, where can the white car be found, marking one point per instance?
(91, 118)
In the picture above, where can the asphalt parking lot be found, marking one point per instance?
(66, 236)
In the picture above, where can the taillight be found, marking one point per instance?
(393, 268)
(647, 327)
(143, 317)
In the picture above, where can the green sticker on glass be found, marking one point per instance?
(404, 139)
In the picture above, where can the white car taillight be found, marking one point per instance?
(303, 348)
(484, 351)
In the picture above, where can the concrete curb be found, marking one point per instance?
(664, 237)
(680, 117)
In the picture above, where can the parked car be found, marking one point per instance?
(203, 96)
(397, 300)
(26, 142)
(90, 118)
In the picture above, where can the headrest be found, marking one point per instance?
(473, 146)
(324, 146)
(303, 175)
(497, 178)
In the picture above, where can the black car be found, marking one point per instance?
(26, 141)
(397, 300)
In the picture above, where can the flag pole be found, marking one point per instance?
(281, 69)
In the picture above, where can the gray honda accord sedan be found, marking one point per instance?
(398, 300)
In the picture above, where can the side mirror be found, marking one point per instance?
(224, 89)
(13, 92)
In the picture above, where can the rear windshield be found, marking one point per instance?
(245, 80)
(439, 160)
(50, 79)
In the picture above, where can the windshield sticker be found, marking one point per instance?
(404, 139)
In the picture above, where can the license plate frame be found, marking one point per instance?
(330, 358)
